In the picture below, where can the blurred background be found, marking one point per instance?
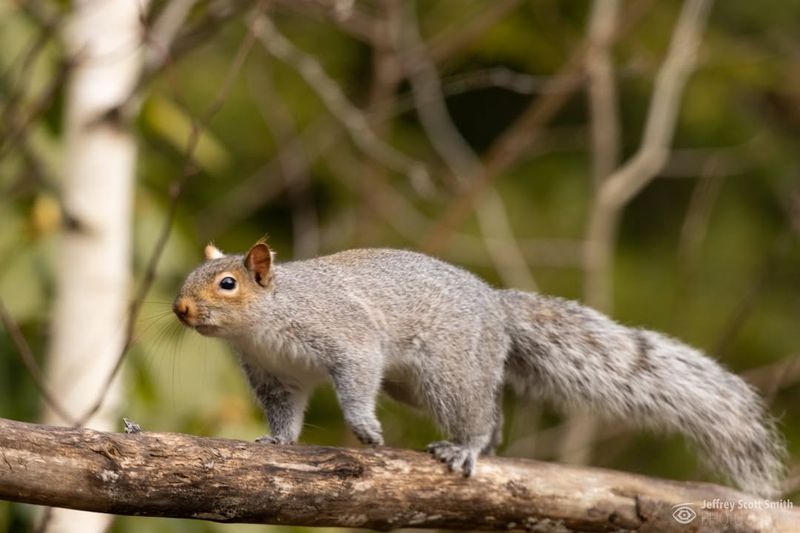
(639, 156)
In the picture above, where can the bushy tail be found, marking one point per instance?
(576, 357)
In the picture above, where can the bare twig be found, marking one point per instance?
(507, 149)
(774, 377)
(217, 14)
(580, 428)
(500, 242)
(321, 137)
(48, 29)
(355, 22)
(461, 34)
(18, 126)
(380, 107)
(523, 134)
(459, 83)
(615, 189)
(618, 189)
(409, 222)
(694, 229)
(263, 185)
(454, 150)
(364, 27)
(331, 95)
(761, 278)
(27, 358)
(693, 162)
(162, 33)
(294, 165)
(500, 77)
(792, 483)
(602, 89)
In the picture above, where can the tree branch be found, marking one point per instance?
(354, 121)
(174, 475)
(602, 89)
(629, 179)
(527, 130)
(29, 361)
(581, 427)
(463, 163)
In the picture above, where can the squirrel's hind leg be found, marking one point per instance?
(497, 431)
(463, 453)
(462, 399)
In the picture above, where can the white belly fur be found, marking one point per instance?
(281, 357)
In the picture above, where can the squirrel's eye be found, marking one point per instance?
(227, 283)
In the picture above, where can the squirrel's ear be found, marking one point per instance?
(212, 252)
(259, 262)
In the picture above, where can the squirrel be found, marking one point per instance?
(437, 337)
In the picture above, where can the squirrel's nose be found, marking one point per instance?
(183, 308)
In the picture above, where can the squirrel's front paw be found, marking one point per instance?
(272, 439)
(455, 456)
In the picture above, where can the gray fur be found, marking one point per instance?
(432, 335)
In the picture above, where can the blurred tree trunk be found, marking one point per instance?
(103, 38)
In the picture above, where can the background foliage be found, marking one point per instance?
(708, 252)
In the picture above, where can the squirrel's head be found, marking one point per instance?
(217, 297)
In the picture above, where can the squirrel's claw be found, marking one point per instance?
(271, 439)
(455, 456)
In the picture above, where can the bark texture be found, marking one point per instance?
(174, 475)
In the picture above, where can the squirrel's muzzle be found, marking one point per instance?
(185, 310)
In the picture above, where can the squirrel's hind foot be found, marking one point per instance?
(455, 456)
(271, 439)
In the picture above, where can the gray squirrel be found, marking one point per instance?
(434, 336)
